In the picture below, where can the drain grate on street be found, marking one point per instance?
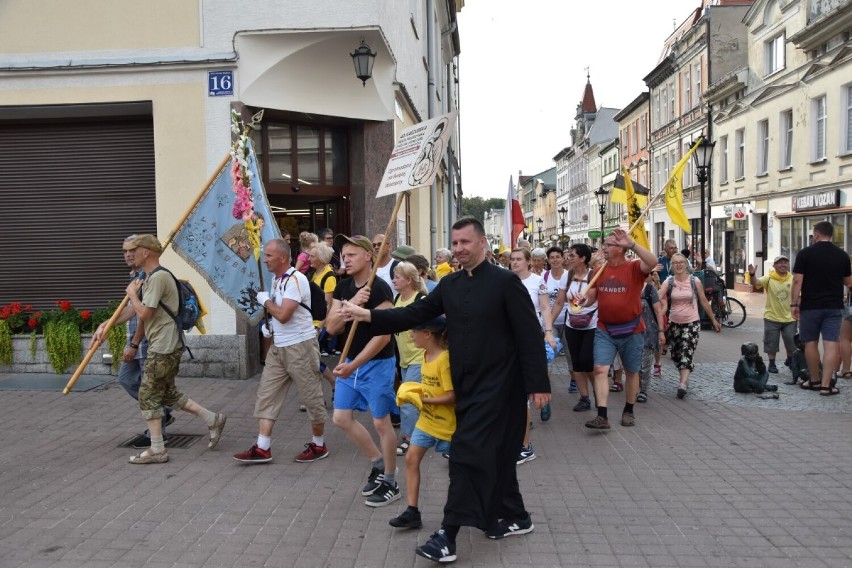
(172, 441)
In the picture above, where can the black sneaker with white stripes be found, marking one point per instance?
(509, 527)
(438, 548)
(373, 481)
(386, 493)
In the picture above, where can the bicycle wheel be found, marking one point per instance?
(736, 313)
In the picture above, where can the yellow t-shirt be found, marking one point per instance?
(443, 269)
(409, 354)
(330, 285)
(437, 420)
(778, 298)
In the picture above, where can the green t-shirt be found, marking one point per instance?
(161, 330)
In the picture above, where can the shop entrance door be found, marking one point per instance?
(331, 213)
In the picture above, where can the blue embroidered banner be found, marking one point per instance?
(217, 245)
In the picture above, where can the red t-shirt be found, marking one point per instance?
(619, 294)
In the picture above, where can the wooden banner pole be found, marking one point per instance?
(111, 322)
(388, 232)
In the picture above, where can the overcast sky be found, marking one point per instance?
(523, 71)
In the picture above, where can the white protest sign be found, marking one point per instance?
(417, 155)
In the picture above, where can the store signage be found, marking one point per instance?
(220, 83)
(817, 200)
(739, 212)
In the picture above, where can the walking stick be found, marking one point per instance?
(111, 322)
(388, 232)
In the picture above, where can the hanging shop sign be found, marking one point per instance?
(739, 212)
(817, 200)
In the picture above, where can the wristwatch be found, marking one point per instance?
(134, 345)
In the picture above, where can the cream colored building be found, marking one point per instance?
(783, 125)
(119, 113)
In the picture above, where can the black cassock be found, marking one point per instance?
(497, 358)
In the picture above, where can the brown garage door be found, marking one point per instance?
(71, 189)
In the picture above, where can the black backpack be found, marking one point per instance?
(318, 307)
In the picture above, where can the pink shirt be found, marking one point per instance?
(684, 308)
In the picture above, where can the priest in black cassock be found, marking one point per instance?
(497, 360)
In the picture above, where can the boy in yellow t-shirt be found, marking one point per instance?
(436, 399)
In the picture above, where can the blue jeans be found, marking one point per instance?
(630, 348)
(130, 377)
(408, 412)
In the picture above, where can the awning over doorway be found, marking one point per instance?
(312, 72)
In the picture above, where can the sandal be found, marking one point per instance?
(846, 375)
(616, 387)
(641, 397)
(809, 386)
(828, 391)
(147, 457)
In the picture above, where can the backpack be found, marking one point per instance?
(318, 307)
(189, 308)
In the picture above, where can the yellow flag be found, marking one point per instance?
(674, 192)
(634, 212)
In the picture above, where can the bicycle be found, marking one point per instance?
(729, 312)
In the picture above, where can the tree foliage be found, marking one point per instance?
(477, 206)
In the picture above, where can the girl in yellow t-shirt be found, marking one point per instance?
(437, 402)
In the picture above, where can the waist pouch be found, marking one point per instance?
(619, 330)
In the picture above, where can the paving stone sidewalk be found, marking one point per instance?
(712, 480)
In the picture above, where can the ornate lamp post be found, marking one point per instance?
(601, 195)
(540, 222)
(703, 157)
(563, 214)
(363, 58)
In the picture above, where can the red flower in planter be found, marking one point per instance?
(64, 305)
(32, 322)
(86, 314)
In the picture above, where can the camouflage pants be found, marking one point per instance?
(158, 385)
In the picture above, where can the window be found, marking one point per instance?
(696, 75)
(658, 174)
(689, 178)
(664, 116)
(762, 147)
(671, 100)
(739, 158)
(785, 159)
(819, 114)
(306, 155)
(846, 142)
(644, 130)
(723, 165)
(687, 93)
(633, 137)
(774, 55)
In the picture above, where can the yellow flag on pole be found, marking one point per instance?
(674, 191)
(634, 212)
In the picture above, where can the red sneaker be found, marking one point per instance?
(254, 455)
(312, 452)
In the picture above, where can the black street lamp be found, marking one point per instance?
(363, 58)
(703, 157)
(563, 213)
(540, 222)
(601, 195)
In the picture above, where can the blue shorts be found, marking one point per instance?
(629, 347)
(812, 323)
(421, 439)
(369, 388)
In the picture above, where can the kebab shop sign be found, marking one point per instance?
(817, 200)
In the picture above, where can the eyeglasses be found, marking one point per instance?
(376, 245)
(611, 245)
(678, 263)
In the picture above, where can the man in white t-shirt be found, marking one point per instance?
(384, 261)
(293, 358)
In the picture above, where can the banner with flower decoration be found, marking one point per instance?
(222, 236)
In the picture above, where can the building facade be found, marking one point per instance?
(783, 125)
(119, 130)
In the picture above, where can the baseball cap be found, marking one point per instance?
(402, 252)
(437, 325)
(149, 242)
(779, 258)
(358, 240)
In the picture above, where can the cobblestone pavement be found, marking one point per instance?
(717, 479)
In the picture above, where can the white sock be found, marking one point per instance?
(158, 446)
(319, 440)
(208, 417)
(264, 442)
